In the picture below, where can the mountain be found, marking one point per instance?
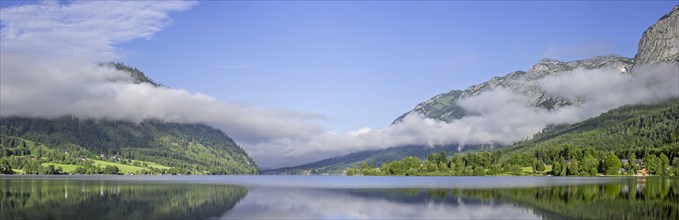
(337, 165)
(660, 43)
(136, 75)
(444, 106)
(179, 147)
(627, 127)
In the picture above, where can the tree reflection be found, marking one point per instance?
(44, 199)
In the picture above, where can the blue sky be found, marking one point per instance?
(365, 63)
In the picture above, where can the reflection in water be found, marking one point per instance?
(63, 199)
(272, 203)
(320, 198)
(624, 198)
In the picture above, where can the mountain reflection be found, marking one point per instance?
(245, 197)
(275, 203)
(44, 199)
(628, 198)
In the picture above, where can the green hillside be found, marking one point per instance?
(91, 146)
(626, 128)
(189, 148)
(597, 146)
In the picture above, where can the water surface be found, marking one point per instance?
(337, 197)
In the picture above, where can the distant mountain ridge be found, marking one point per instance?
(445, 106)
(337, 165)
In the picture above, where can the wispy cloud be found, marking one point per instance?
(499, 118)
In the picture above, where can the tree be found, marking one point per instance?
(443, 167)
(50, 169)
(79, 170)
(352, 171)
(457, 164)
(664, 165)
(675, 166)
(516, 170)
(574, 167)
(589, 165)
(396, 168)
(539, 166)
(559, 167)
(651, 162)
(632, 161)
(612, 164)
(556, 168)
(430, 166)
(111, 169)
(443, 157)
(432, 157)
(412, 163)
(479, 171)
(5, 167)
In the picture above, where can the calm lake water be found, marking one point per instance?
(337, 197)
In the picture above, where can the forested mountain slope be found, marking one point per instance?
(627, 127)
(68, 140)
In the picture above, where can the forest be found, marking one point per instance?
(619, 142)
(89, 146)
(567, 161)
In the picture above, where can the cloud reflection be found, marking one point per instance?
(297, 203)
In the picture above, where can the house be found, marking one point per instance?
(638, 162)
(642, 172)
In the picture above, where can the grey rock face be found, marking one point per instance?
(660, 42)
(445, 107)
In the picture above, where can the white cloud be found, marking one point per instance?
(498, 116)
(86, 30)
(50, 67)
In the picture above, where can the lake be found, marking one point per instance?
(337, 197)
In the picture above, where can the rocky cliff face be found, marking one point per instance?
(660, 42)
(444, 106)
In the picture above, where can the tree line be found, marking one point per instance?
(565, 161)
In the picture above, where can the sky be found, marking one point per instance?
(365, 63)
(309, 80)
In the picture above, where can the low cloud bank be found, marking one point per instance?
(498, 116)
(50, 55)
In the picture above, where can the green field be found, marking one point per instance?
(123, 168)
(152, 164)
(68, 168)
